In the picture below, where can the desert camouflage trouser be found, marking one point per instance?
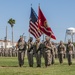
(47, 57)
(61, 58)
(53, 58)
(69, 58)
(21, 55)
(30, 58)
(38, 59)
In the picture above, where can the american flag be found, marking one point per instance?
(33, 24)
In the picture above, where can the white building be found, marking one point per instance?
(7, 44)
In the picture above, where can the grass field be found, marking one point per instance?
(9, 66)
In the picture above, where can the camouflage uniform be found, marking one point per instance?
(30, 53)
(37, 45)
(42, 48)
(70, 49)
(48, 53)
(54, 52)
(61, 51)
(21, 52)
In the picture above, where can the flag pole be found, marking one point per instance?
(39, 4)
(29, 22)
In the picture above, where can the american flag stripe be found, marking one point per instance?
(40, 32)
(33, 33)
(35, 29)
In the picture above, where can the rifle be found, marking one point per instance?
(30, 49)
(39, 49)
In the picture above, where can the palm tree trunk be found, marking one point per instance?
(12, 36)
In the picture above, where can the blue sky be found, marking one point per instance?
(60, 15)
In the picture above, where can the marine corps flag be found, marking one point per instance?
(43, 26)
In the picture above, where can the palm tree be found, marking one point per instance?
(11, 22)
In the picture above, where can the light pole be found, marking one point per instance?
(5, 42)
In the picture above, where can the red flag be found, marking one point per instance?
(43, 26)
